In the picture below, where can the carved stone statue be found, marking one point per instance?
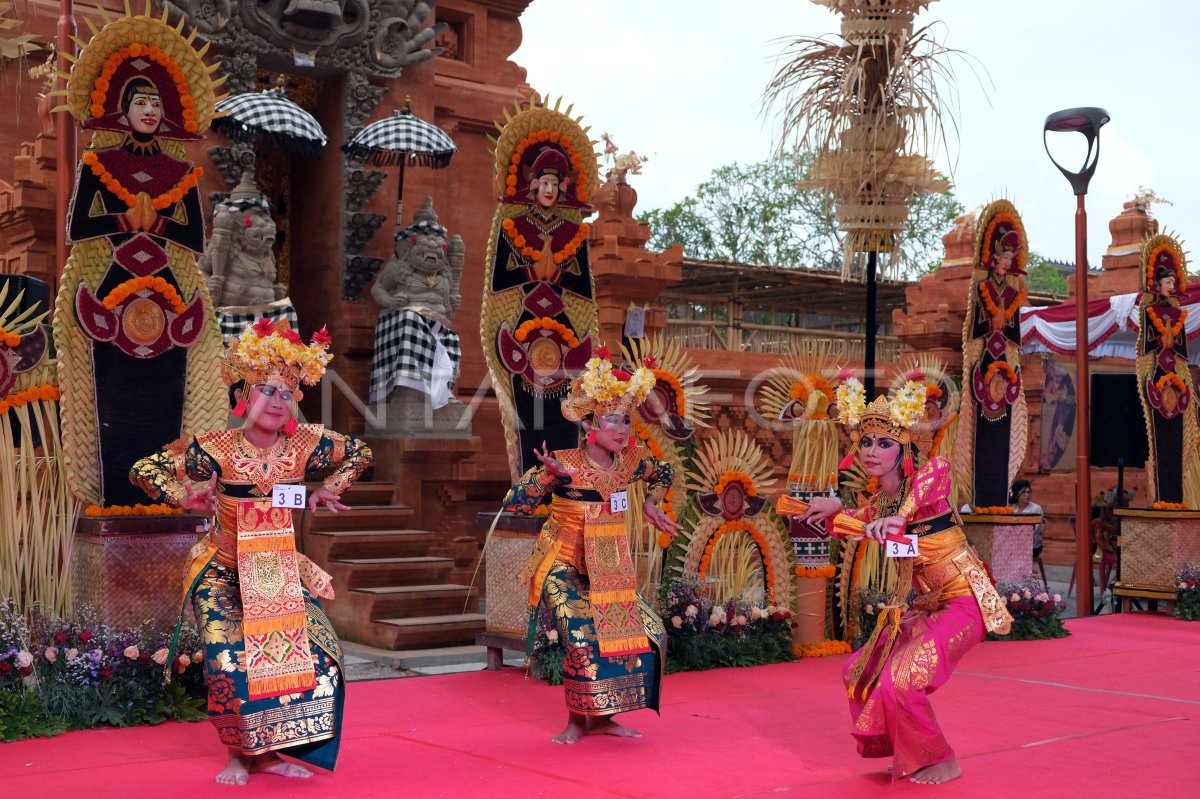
(239, 262)
(424, 274)
(415, 346)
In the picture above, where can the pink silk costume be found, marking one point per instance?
(917, 652)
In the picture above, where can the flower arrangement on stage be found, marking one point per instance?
(822, 650)
(546, 660)
(95, 511)
(1187, 579)
(71, 673)
(703, 634)
(1036, 613)
(866, 604)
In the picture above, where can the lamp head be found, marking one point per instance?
(1087, 121)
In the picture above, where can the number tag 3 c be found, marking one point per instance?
(618, 502)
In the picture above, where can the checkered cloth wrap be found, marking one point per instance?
(234, 319)
(406, 354)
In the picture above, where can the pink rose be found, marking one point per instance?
(160, 656)
(51, 654)
(131, 652)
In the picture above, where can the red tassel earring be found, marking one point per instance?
(847, 462)
(908, 466)
(591, 437)
(632, 442)
(289, 429)
(240, 408)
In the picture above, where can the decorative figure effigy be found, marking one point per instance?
(539, 310)
(993, 426)
(911, 652)
(239, 262)
(137, 339)
(664, 423)
(415, 343)
(581, 569)
(1164, 379)
(272, 659)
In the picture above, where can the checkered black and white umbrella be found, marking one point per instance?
(403, 139)
(270, 118)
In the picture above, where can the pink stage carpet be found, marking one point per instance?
(1112, 711)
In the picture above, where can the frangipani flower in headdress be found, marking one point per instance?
(891, 417)
(604, 389)
(269, 351)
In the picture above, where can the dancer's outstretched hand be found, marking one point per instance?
(202, 501)
(326, 497)
(553, 466)
(659, 519)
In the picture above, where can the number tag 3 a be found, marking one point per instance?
(618, 502)
(292, 497)
(897, 550)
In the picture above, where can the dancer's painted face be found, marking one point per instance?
(1002, 262)
(612, 431)
(879, 454)
(270, 406)
(145, 113)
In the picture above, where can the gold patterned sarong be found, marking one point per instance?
(278, 653)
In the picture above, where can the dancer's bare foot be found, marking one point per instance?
(576, 728)
(606, 726)
(938, 773)
(237, 772)
(273, 764)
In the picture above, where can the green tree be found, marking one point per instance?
(1043, 278)
(761, 214)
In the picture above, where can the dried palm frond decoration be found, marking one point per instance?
(665, 423)
(872, 103)
(38, 520)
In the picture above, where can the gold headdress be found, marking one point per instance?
(273, 351)
(601, 389)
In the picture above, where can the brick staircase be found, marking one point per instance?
(396, 588)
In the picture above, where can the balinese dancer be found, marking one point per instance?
(272, 658)
(581, 568)
(911, 652)
(133, 324)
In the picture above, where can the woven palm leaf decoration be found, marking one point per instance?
(665, 424)
(729, 485)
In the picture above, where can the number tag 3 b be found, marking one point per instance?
(292, 497)
(618, 502)
(897, 550)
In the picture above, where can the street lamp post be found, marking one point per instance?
(1087, 121)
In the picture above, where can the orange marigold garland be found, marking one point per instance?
(25, 396)
(95, 511)
(998, 366)
(986, 254)
(1171, 378)
(994, 510)
(759, 539)
(1152, 261)
(672, 381)
(802, 389)
(736, 477)
(1171, 506)
(1156, 320)
(822, 650)
(11, 340)
(162, 201)
(818, 571)
(1009, 310)
(547, 323)
(134, 285)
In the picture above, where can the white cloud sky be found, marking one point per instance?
(682, 80)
